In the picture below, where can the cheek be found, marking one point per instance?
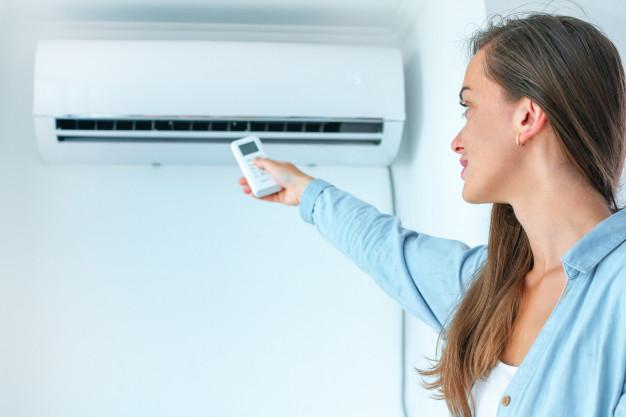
(492, 161)
(488, 139)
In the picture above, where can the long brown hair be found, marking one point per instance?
(574, 73)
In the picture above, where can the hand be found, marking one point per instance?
(286, 175)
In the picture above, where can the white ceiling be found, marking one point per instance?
(353, 13)
(367, 21)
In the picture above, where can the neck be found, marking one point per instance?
(555, 215)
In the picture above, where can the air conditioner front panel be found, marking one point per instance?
(217, 79)
(182, 102)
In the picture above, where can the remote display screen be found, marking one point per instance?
(248, 148)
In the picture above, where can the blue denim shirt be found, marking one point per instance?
(576, 365)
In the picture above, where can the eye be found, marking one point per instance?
(464, 114)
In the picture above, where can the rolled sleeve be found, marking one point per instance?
(309, 196)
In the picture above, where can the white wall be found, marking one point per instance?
(142, 291)
(426, 171)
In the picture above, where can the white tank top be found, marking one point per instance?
(488, 392)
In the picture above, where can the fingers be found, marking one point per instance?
(271, 198)
(246, 187)
(248, 190)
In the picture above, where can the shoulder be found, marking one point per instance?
(614, 262)
(609, 275)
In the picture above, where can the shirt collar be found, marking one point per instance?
(594, 246)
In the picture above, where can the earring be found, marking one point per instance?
(517, 140)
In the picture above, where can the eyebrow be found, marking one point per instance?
(461, 93)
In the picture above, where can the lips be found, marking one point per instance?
(463, 162)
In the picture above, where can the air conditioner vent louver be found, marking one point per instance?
(178, 130)
(251, 126)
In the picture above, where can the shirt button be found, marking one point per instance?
(506, 400)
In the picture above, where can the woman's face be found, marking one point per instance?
(487, 141)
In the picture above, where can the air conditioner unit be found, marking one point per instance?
(183, 102)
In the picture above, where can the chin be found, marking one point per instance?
(473, 197)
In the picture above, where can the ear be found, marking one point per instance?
(530, 119)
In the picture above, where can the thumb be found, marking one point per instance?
(272, 167)
(266, 163)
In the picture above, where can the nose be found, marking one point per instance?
(456, 144)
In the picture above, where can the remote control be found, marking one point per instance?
(246, 150)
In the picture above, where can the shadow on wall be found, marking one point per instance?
(414, 106)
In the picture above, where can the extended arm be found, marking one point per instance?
(427, 275)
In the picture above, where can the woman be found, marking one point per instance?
(534, 321)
